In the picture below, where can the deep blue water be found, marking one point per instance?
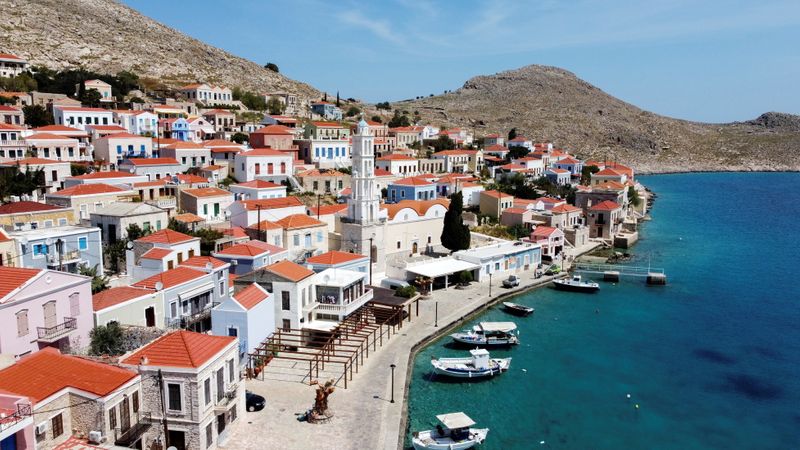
(712, 359)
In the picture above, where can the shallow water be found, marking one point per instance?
(712, 359)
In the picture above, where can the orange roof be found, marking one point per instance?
(62, 128)
(396, 157)
(190, 179)
(607, 172)
(111, 128)
(289, 270)
(550, 200)
(610, 186)
(9, 127)
(171, 278)
(259, 184)
(413, 181)
(184, 145)
(144, 184)
(515, 210)
(496, 194)
(46, 137)
(296, 221)
(544, 231)
(201, 261)
(230, 149)
(243, 249)
(382, 172)
(321, 173)
(251, 296)
(325, 210)
(156, 253)
(163, 142)
(46, 372)
(12, 278)
(188, 218)
(207, 192)
(319, 124)
(271, 203)
(565, 208)
(26, 207)
(568, 160)
(166, 236)
(420, 206)
(335, 257)
(236, 232)
(87, 189)
(219, 143)
(153, 161)
(117, 295)
(265, 225)
(100, 175)
(273, 129)
(10, 56)
(607, 205)
(33, 162)
(180, 349)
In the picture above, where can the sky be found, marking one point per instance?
(706, 60)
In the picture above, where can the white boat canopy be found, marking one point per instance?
(455, 420)
(498, 327)
(441, 267)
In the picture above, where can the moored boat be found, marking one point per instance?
(517, 309)
(479, 365)
(454, 433)
(575, 284)
(488, 334)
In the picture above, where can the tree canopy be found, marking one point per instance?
(455, 235)
(249, 99)
(37, 116)
(399, 120)
(107, 340)
(383, 105)
(275, 106)
(512, 134)
(443, 142)
(353, 111)
(272, 66)
(14, 181)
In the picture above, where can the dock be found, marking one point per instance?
(613, 272)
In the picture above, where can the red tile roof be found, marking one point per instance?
(26, 207)
(219, 143)
(420, 206)
(265, 225)
(325, 210)
(87, 189)
(166, 236)
(382, 172)
(180, 349)
(153, 161)
(47, 137)
(607, 172)
(62, 128)
(12, 278)
(188, 218)
(156, 253)
(543, 231)
(259, 184)
(413, 181)
(184, 145)
(289, 270)
(46, 372)
(100, 175)
(171, 278)
(201, 261)
(565, 208)
(335, 257)
(117, 295)
(607, 205)
(251, 296)
(271, 203)
(207, 192)
(236, 232)
(297, 221)
(33, 162)
(496, 194)
(396, 157)
(274, 129)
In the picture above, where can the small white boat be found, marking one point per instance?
(456, 434)
(517, 309)
(576, 285)
(489, 334)
(478, 365)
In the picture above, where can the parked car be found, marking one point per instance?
(511, 281)
(254, 402)
(553, 270)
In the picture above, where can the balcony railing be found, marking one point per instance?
(22, 412)
(339, 309)
(54, 333)
(132, 435)
(228, 397)
(192, 317)
(164, 202)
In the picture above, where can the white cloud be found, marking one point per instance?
(379, 28)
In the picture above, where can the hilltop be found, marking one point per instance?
(106, 37)
(548, 103)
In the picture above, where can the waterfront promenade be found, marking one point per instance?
(364, 416)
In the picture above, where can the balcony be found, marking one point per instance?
(192, 317)
(132, 435)
(12, 417)
(69, 257)
(164, 202)
(48, 335)
(227, 398)
(339, 309)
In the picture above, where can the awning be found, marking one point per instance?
(503, 327)
(321, 325)
(196, 291)
(441, 267)
(455, 420)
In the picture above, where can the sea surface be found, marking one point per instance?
(712, 359)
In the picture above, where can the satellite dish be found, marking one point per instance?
(129, 245)
(227, 213)
(23, 240)
(48, 241)
(209, 266)
(47, 279)
(159, 285)
(210, 180)
(326, 278)
(234, 262)
(132, 170)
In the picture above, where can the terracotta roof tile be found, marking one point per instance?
(259, 184)
(26, 207)
(274, 129)
(188, 218)
(296, 221)
(289, 270)
(100, 175)
(87, 189)
(180, 349)
(413, 181)
(12, 278)
(607, 205)
(207, 192)
(335, 257)
(420, 206)
(272, 203)
(251, 296)
(153, 161)
(325, 210)
(33, 162)
(166, 236)
(156, 253)
(171, 278)
(201, 261)
(117, 295)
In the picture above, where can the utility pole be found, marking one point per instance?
(259, 221)
(60, 249)
(370, 260)
(319, 196)
(163, 408)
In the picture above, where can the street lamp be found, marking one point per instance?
(490, 284)
(392, 367)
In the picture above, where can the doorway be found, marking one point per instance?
(150, 316)
(177, 439)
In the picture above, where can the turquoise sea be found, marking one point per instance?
(712, 359)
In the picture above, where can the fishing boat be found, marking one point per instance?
(517, 309)
(454, 433)
(478, 365)
(575, 284)
(488, 334)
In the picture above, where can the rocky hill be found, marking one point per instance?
(107, 37)
(548, 103)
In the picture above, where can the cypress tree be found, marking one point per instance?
(455, 235)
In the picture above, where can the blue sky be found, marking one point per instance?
(707, 60)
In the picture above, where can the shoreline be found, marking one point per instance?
(679, 172)
(445, 329)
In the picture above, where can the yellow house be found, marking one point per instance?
(492, 203)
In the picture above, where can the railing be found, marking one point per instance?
(54, 333)
(345, 309)
(21, 413)
(164, 202)
(228, 396)
(132, 435)
(185, 320)
(11, 143)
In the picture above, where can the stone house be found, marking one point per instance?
(492, 203)
(251, 255)
(200, 388)
(400, 165)
(26, 215)
(323, 181)
(209, 203)
(551, 239)
(277, 137)
(115, 219)
(85, 199)
(605, 220)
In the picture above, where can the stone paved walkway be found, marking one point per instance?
(364, 417)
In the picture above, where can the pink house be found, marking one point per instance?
(551, 239)
(43, 308)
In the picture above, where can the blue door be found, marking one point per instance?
(9, 443)
(330, 152)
